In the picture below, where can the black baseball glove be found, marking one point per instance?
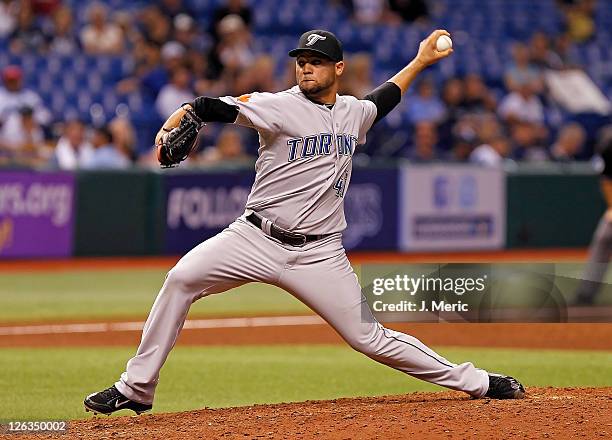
(178, 143)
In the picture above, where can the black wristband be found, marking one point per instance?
(385, 97)
(214, 110)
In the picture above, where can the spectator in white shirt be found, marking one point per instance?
(21, 138)
(522, 105)
(101, 36)
(14, 97)
(8, 17)
(491, 154)
(21, 131)
(176, 92)
(61, 37)
(73, 149)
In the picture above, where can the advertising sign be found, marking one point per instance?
(36, 214)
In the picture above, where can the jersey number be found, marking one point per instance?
(339, 187)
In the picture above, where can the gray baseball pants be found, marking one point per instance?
(597, 264)
(318, 274)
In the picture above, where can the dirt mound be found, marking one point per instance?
(545, 413)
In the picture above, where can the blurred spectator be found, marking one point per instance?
(147, 59)
(542, 55)
(61, 39)
(176, 92)
(124, 136)
(357, 76)
(21, 134)
(173, 8)
(204, 84)
(477, 98)
(565, 49)
(492, 153)
(288, 78)
(465, 130)
(172, 57)
(410, 10)
(185, 32)
(579, 20)
(130, 32)
(487, 128)
(100, 36)
(259, 77)
(229, 149)
(569, 143)
(521, 71)
(14, 97)
(73, 150)
(460, 150)
(425, 106)
(452, 96)
(371, 11)
(153, 69)
(9, 9)
(424, 148)
(522, 105)
(231, 7)
(157, 27)
(452, 99)
(45, 7)
(106, 155)
(234, 51)
(526, 145)
(27, 37)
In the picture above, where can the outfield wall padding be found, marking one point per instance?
(118, 213)
(124, 212)
(552, 210)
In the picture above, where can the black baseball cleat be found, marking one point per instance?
(504, 387)
(111, 400)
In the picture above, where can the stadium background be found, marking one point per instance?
(491, 157)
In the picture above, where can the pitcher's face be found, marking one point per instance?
(316, 73)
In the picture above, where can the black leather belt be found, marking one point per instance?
(287, 237)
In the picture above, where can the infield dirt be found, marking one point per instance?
(559, 413)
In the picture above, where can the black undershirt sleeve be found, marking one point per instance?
(385, 97)
(214, 110)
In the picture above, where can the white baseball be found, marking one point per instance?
(443, 43)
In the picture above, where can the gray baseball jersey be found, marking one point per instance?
(304, 164)
(303, 171)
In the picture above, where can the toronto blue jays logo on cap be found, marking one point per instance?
(321, 42)
(313, 38)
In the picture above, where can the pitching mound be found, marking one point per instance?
(545, 413)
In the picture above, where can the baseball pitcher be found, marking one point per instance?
(290, 234)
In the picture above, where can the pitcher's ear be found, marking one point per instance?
(339, 67)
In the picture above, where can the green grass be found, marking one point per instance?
(100, 294)
(51, 383)
(41, 296)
